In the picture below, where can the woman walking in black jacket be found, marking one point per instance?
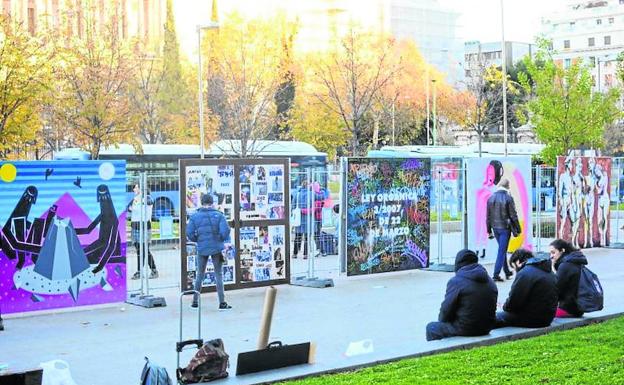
(567, 262)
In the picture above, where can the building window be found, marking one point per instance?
(598, 21)
(609, 80)
(124, 19)
(607, 40)
(592, 61)
(6, 8)
(146, 20)
(566, 44)
(32, 27)
(611, 20)
(591, 42)
(567, 63)
(56, 17)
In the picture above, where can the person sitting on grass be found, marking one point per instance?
(567, 262)
(532, 300)
(469, 306)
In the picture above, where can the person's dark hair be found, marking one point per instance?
(337, 209)
(498, 170)
(207, 199)
(564, 246)
(520, 256)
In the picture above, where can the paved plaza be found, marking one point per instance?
(359, 321)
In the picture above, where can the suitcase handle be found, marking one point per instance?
(274, 344)
(182, 344)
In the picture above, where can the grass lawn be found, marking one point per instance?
(586, 355)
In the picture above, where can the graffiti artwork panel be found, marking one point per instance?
(483, 179)
(387, 214)
(63, 239)
(583, 191)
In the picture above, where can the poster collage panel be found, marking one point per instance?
(261, 192)
(387, 215)
(228, 267)
(215, 180)
(262, 253)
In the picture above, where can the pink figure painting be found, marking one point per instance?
(493, 174)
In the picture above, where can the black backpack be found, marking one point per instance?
(590, 296)
(154, 375)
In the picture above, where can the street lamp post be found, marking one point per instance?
(393, 122)
(428, 112)
(435, 117)
(504, 60)
(212, 25)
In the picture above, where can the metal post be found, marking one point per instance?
(538, 211)
(201, 94)
(439, 208)
(428, 112)
(435, 118)
(310, 224)
(504, 57)
(617, 201)
(393, 122)
(143, 229)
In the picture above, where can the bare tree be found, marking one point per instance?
(482, 85)
(350, 79)
(245, 60)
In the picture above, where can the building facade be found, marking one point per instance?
(323, 23)
(590, 32)
(142, 19)
(479, 55)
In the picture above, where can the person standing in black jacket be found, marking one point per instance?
(502, 222)
(532, 300)
(567, 262)
(469, 307)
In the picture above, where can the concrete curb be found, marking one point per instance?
(562, 324)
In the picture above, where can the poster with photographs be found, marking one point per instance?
(262, 253)
(215, 180)
(261, 192)
(229, 273)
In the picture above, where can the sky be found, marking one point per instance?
(479, 20)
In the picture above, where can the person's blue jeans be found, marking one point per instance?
(202, 261)
(439, 330)
(502, 238)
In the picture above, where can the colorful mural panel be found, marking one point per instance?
(583, 191)
(63, 239)
(482, 180)
(387, 214)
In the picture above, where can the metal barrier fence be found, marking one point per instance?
(315, 241)
(319, 239)
(162, 245)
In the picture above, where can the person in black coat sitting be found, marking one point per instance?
(532, 300)
(567, 262)
(469, 307)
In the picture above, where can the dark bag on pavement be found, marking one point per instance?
(209, 363)
(154, 375)
(329, 243)
(590, 296)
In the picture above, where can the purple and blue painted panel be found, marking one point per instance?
(62, 238)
